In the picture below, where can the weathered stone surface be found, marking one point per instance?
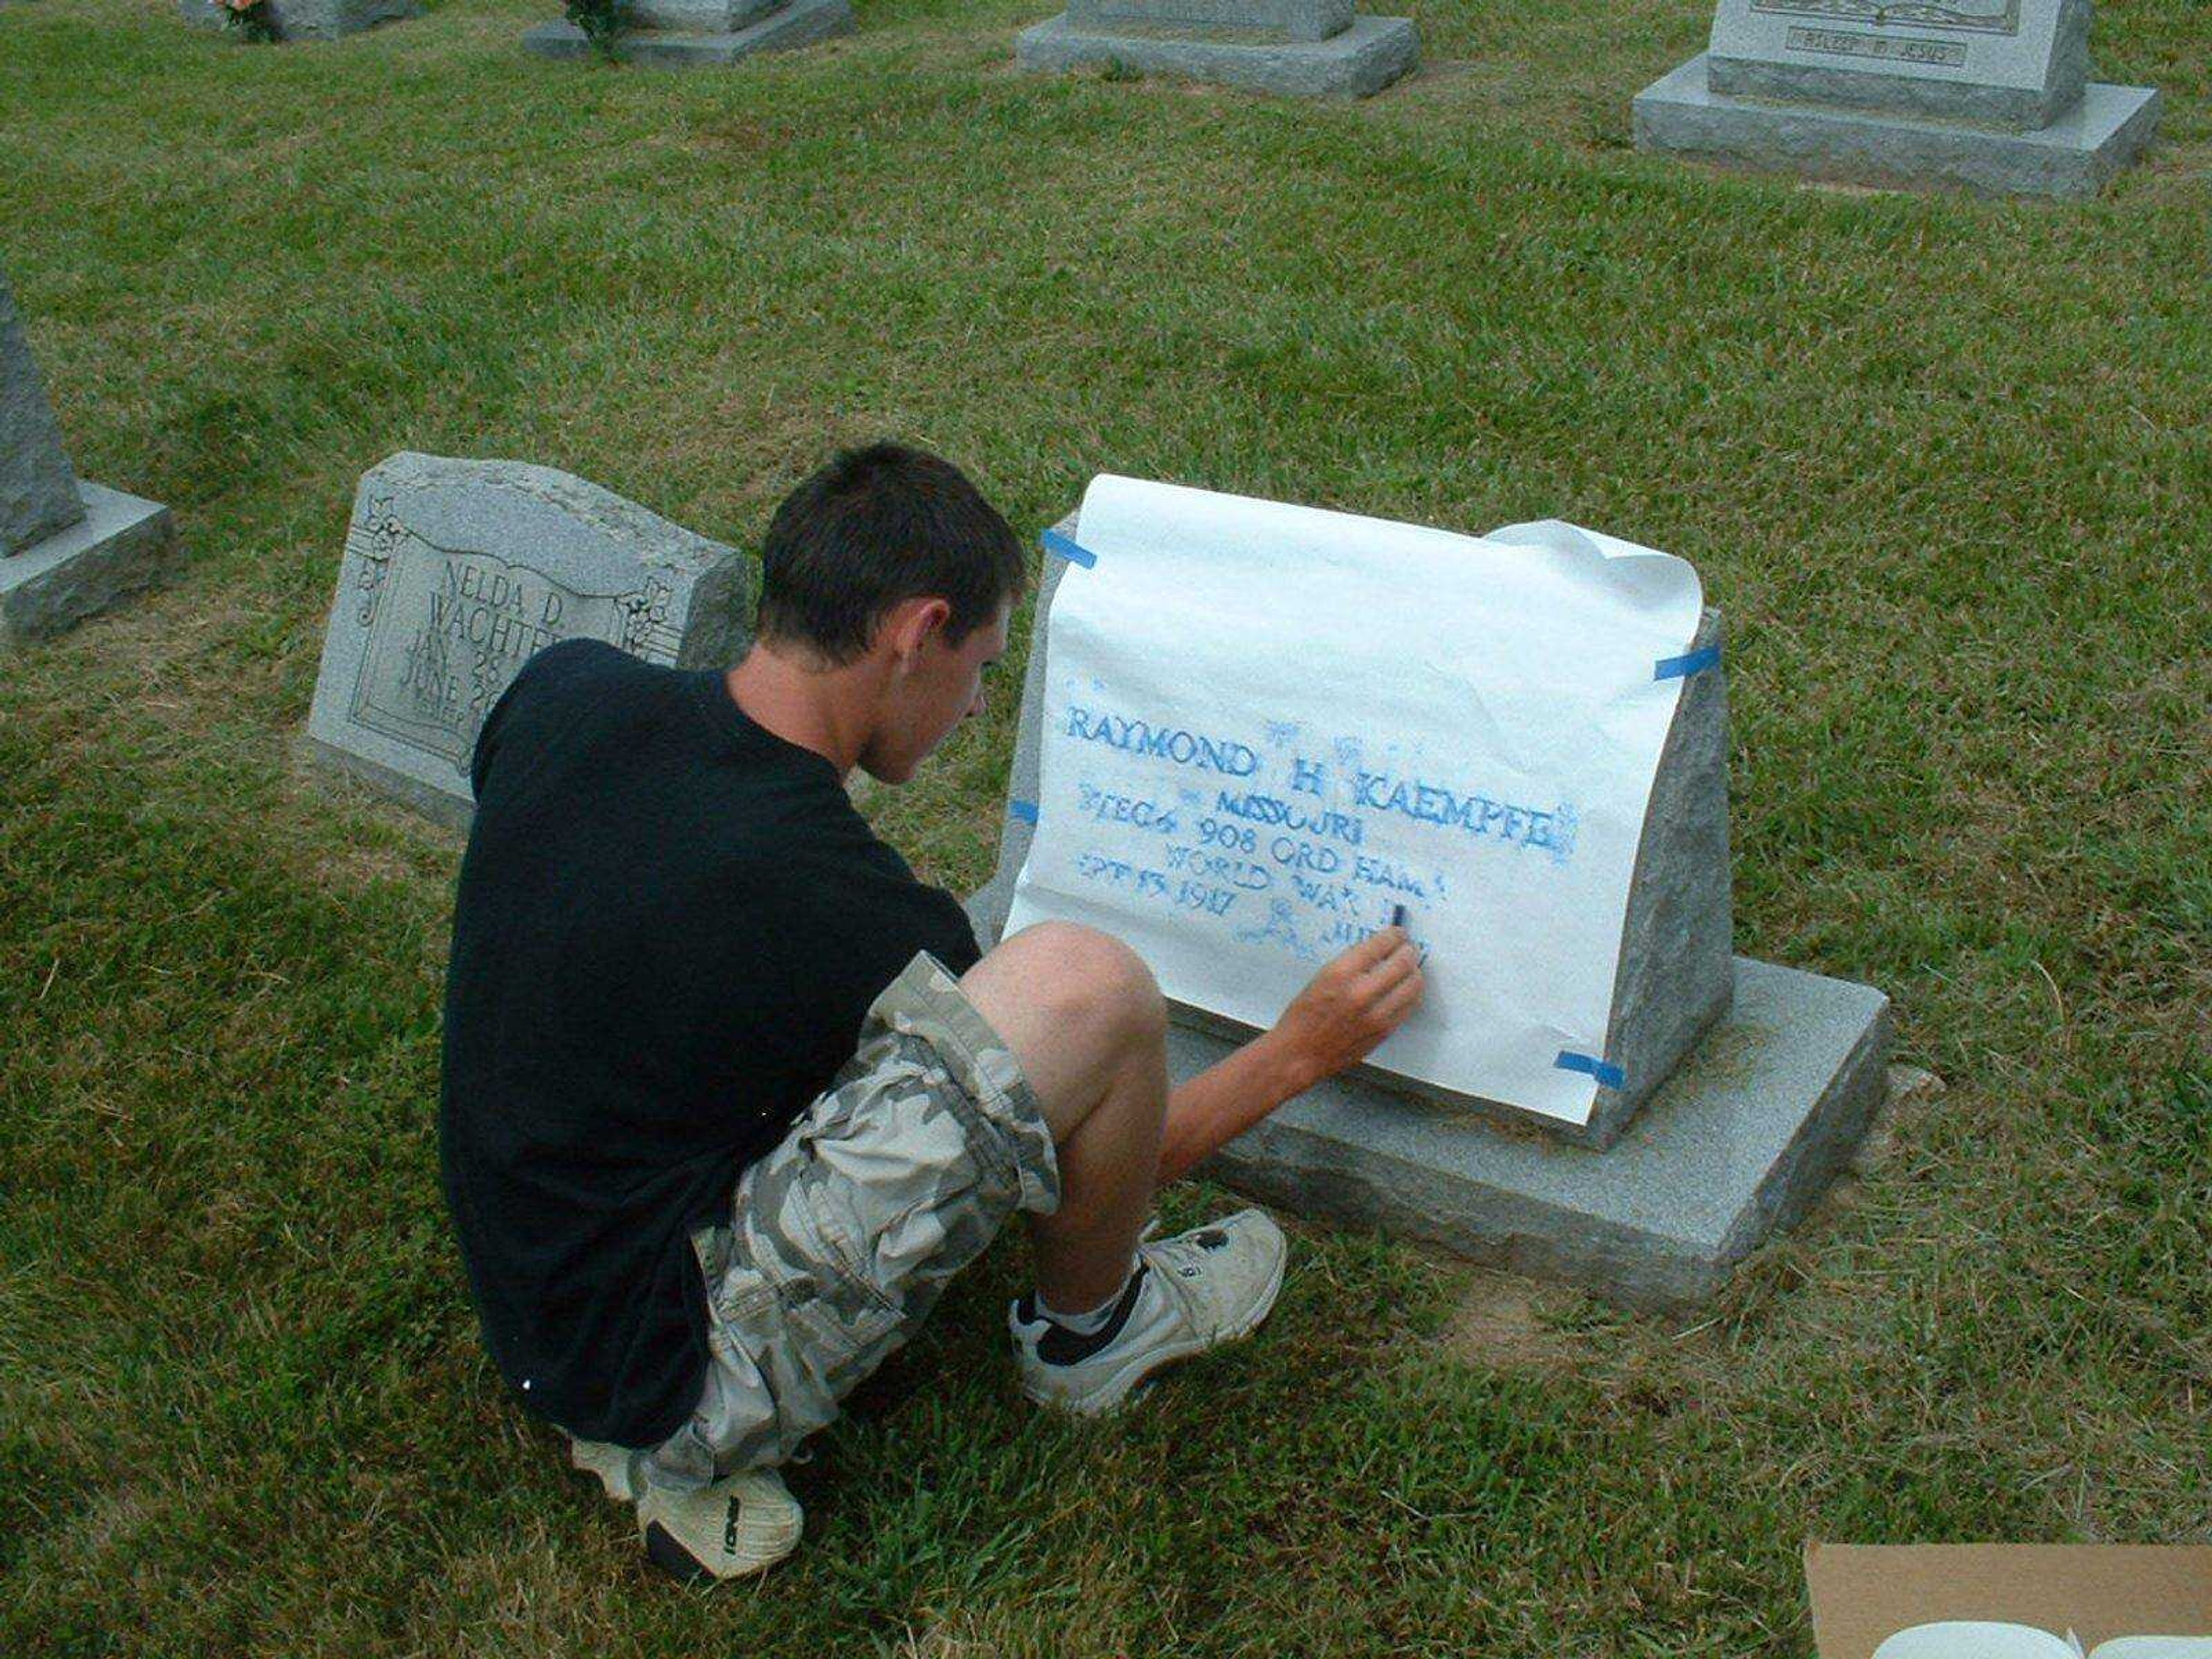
(1675, 975)
(38, 488)
(2014, 64)
(2074, 156)
(1361, 59)
(1746, 1134)
(119, 547)
(701, 17)
(1277, 19)
(314, 20)
(457, 572)
(775, 29)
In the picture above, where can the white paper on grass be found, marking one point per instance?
(1974, 1639)
(1264, 725)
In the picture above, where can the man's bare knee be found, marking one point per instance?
(1081, 975)
(1079, 1008)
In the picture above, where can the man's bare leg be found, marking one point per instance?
(1083, 1015)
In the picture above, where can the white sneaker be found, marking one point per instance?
(744, 1524)
(1197, 1291)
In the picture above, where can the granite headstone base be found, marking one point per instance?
(121, 546)
(799, 24)
(1360, 60)
(2074, 156)
(312, 20)
(1735, 1146)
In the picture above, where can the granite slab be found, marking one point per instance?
(457, 572)
(312, 20)
(801, 23)
(1357, 62)
(38, 487)
(1738, 1143)
(121, 546)
(2014, 64)
(1277, 19)
(2075, 156)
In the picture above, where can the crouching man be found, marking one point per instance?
(729, 1094)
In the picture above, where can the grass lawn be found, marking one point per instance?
(1943, 461)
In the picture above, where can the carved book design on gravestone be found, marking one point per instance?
(1298, 48)
(1991, 94)
(1250, 732)
(67, 548)
(457, 573)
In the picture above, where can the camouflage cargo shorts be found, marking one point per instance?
(842, 1239)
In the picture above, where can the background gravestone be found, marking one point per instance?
(1991, 94)
(457, 572)
(1751, 1083)
(674, 33)
(311, 20)
(1300, 48)
(67, 549)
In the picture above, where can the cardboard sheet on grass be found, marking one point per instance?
(1864, 1596)
(1266, 726)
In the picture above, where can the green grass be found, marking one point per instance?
(1943, 461)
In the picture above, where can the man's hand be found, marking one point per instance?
(1350, 1007)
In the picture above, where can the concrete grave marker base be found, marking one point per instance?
(119, 547)
(799, 24)
(1735, 1147)
(1680, 114)
(312, 20)
(1362, 59)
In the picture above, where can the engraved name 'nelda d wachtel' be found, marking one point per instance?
(449, 628)
(457, 573)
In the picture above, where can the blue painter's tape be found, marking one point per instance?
(1609, 1075)
(1023, 810)
(1060, 547)
(1675, 668)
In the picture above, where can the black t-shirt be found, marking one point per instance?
(669, 924)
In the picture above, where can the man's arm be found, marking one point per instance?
(1337, 1021)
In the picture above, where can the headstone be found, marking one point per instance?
(457, 572)
(1753, 1081)
(1994, 94)
(311, 20)
(67, 549)
(1296, 48)
(680, 33)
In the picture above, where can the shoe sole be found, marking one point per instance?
(662, 1549)
(1109, 1398)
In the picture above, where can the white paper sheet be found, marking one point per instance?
(1265, 725)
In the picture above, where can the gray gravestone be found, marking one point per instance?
(680, 33)
(1745, 1083)
(1991, 94)
(457, 572)
(67, 549)
(311, 20)
(1298, 48)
